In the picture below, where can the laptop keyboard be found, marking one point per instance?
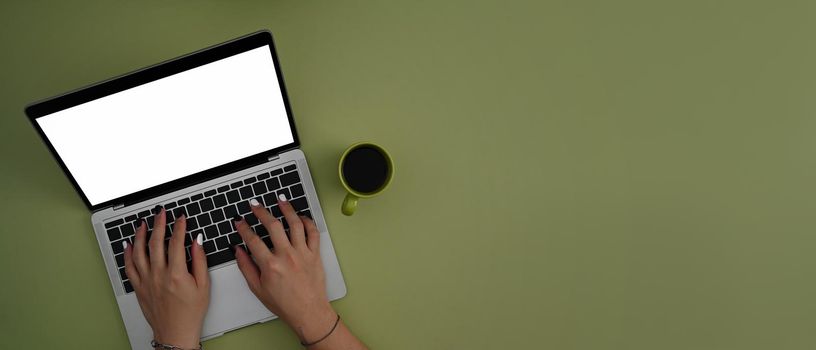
(210, 212)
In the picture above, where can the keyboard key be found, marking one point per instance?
(233, 196)
(222, 242)
(114, 223)
(209, 247)
(120, 260)
(246, 192)
(276, 172)
(193, 209)
(268, 241)
(183, 201)
(217, 215)
(273, 184)
(127, 229)
(289, 168)
(221, 257)
(306, 213)
(114, 234)
(289, 178)
(285, 192)
(131, 218)
(235, 238)
(209, 193)
(123, 274)
(243, 207)
(223, 189)
(300, 204)
(270, 198)
(128, 287)
(276, 211)
(225, 228)
(156, 209)
(203, 220)
(261, 230)
(251, 219)
(211, 232)
(150, 220)
(197, 197)
(206, 204)
(117, 247)
(263, 176)
(169, 206)
(260, 200)
(230, 211)
(297, 190)
(250, 180)
(259, 188)
(235, 185)
(179, 211)
(192, 223)
(168, 216)
(220, 200)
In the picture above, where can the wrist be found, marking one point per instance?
(315, 323)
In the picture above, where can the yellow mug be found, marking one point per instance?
(365, 171)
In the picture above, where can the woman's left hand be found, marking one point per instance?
(173, 300)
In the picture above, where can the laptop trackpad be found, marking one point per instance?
(232, 304)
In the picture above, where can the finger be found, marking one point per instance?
(268, 221)
(296, 234)
(253, 242)
(277, 233)
(139, 252)
(200, 273)
(312, 234)
(175, 255)
(158, 260)
(130, 268)
(251, 272)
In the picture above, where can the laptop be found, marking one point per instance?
(202, 134)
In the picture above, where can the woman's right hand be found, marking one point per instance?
(289, 280)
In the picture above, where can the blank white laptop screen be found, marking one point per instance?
(172, 127)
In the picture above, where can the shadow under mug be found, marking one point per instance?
(364, 165)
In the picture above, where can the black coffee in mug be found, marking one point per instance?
(365, 169)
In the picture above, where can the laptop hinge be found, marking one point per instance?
(118, 206)
(273, 158)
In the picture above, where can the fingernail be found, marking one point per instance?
(124, 244)
(254, 202)
(157, 209)
(282, 197)
(237, 218)
(200, 239)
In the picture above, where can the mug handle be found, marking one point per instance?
(349, 204)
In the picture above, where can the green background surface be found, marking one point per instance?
(570, 174)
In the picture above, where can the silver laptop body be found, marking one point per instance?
(232, 305)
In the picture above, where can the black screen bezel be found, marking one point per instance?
(153, 73)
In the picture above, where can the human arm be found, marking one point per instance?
(290, 280)
(173, 300)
